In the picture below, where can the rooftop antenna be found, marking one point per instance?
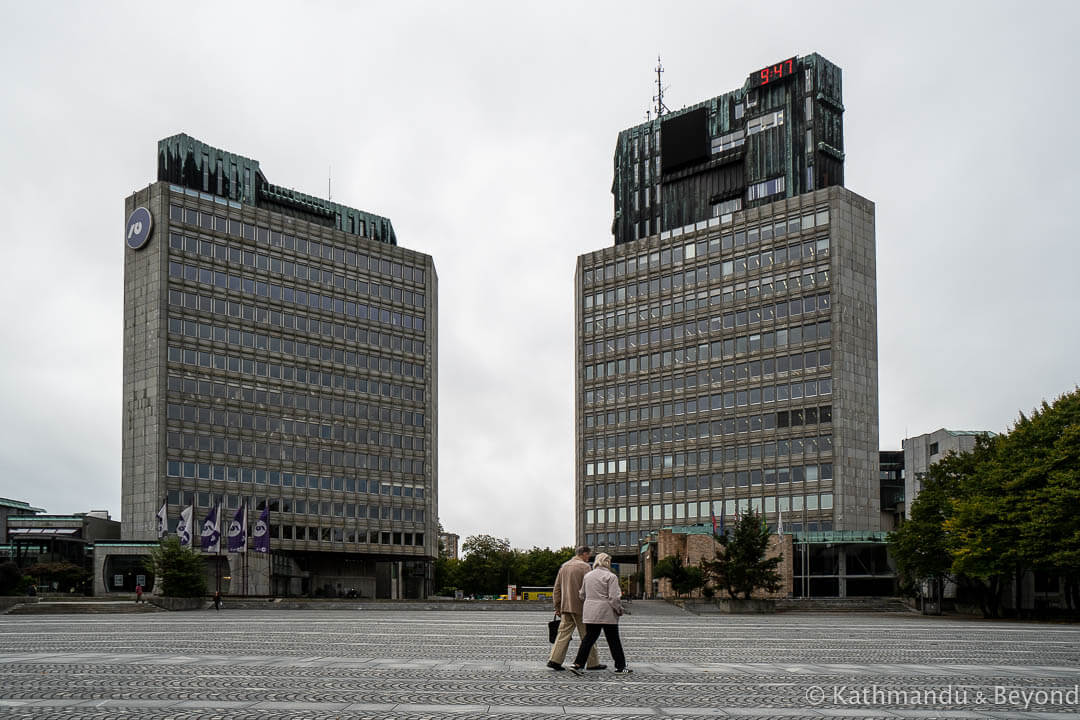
(329, 195)
(661, 108)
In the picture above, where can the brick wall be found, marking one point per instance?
(695, 548)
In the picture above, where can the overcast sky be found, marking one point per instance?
(485, 132)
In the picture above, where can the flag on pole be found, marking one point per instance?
(712, 515)
(780, 522)
(211, 530)
(183, 528)
(261, 532)
(163, 520)
(238, 530)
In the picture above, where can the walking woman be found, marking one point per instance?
(602, 610)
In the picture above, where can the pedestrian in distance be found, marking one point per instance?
(566, 596)
(602, 609)
(138, 593)
(217, 599)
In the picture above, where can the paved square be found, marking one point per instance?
(416, 664)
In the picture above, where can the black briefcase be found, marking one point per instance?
(553, 628)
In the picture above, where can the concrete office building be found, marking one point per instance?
(726, 354)
(922, 451)
(280, 352)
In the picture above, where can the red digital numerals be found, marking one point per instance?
(767, 75)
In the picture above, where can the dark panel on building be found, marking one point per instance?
(686, 140)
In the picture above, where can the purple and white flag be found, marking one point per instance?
(238, 531)
(211, 530)
(261, 533)
(183, 528)
(163, 520)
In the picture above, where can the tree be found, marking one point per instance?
(988, 516)
(11, 578)
(539, 566)
(180, 571)
(921, 546)
(742, 567)
(684, 579)
(487, 566)
(66, 575)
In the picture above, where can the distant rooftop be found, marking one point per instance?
(19, 505)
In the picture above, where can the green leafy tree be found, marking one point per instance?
(539, 566)
(685, 579)
(988, 516)
(66, 575)
(921, 546)
(446, 575)
(742, 565)
(488, 565)
(10, 578)
(180, 571)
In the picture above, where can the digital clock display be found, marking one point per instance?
(772, 73)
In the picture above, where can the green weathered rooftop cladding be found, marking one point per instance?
(193, 164)
(19, 505)
(751, 146)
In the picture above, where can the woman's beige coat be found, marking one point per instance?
(600, 591)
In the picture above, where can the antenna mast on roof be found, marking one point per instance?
(661, 108)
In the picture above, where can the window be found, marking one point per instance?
(765, 189)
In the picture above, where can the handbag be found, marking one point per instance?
(553, 628)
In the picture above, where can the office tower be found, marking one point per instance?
(728, 360)
(280, 353)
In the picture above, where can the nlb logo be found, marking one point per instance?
(139, 225)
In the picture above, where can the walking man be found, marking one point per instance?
(568, 606)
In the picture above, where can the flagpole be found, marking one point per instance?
(245, 552)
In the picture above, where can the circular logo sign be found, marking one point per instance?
(139, 225)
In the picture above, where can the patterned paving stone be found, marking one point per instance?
(462, 665)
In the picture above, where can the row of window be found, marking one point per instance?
(794, 283)
(286, 294)
(765, 188)
(674, 512)
(326, 405)
(810, 250)
(809, 361)
(744, 235)
(296, 348)
(349, 536)
(716, 482)
(780, 392)
(720, 349)
(796, 417)
(190, 470)
(254, 368)
(258, 422)
(717, 456)
(273, 238)
(301, 323)
(238, 256)
(327, 508)
(277, 452)
(700, 329)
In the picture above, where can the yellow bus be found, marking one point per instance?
(536, 593)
